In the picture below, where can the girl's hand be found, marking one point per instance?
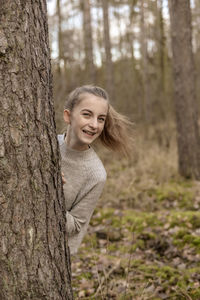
(63, 178)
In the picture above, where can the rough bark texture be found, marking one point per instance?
(87, 28)
(34, 258)
(107, 44)
(184, 86)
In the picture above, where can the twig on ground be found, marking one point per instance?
(183, 293)
(106, 276)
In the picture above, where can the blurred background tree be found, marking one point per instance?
(125, 47)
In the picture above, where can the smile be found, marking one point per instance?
(89, 132)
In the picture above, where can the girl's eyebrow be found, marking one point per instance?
(88, 110)
(85, 109)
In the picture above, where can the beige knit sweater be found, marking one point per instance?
(85, 177)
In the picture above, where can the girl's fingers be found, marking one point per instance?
(63, 178)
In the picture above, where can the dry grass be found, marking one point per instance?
(151, 165)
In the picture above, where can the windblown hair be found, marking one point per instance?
(117, 134)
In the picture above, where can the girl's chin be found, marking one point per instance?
(89, 138)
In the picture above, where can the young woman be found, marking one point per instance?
(89, 116)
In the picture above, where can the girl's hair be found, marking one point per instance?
(117, 133)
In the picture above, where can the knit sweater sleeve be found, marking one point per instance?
(83, 210)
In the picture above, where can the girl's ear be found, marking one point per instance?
(67, 116)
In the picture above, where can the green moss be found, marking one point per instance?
(195, 270)
(181, 233)
(128, 296)
(184, 238)
(174, 191)
(90, 241)
(124, 249)
(139, 244)
(195, 294)
(195, 241)
(102, 215)
(185, 219)
(112, 247)
(136, 263)
(195, 220)
(138, 221)
(167, 273)
(86, 275)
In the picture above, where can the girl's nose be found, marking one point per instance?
(94, 123)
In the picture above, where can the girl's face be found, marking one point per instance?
(86, 121)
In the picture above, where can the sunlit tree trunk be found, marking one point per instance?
(161, 44)
(99, 36)
(130, 33)
(197, 25)
(132, 72)
(109, 66)
(120, 38)
(34, 257)
(196, 34)
(88, 43)
(60, 56)
(184, 86)
(144, 66)
(161, 106)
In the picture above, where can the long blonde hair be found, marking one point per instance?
(117, 134)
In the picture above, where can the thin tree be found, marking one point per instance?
(196, 17)
(107, 45)
(34, 257)
(144, 66)
(160, 102)
(59, 35)
(161, 44)
(184, 87)
(88, 42)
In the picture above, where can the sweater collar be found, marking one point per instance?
(77, 154)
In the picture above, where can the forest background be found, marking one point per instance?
(152, 247)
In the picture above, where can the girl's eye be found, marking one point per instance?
(86, 114)
(101, 119)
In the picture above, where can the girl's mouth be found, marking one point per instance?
(89, 132)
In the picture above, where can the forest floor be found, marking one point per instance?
(144, 238)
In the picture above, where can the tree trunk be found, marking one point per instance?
(34, 257)
(160, 102)
(184, 86)
(196, 15)
(59, 35)
(161, 44)
(107, 44)
(144, 54)
(87, 29)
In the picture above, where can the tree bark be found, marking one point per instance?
(59, 35)
(107, 45)
(88, 43)
(196, 15)
(161, 44)
(184, 86)
(160, 102)
(145, 71)
(34, 257)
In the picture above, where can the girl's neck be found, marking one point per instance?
(70, 144)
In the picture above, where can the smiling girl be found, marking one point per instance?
(89, 116)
